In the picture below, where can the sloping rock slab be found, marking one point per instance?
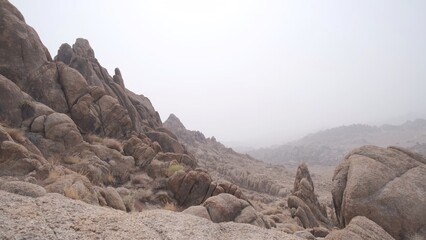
(56, 217)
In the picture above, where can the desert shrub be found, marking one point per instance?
(92, 138)
(108, 142)
(174, 167)
(71, 193)
(111, 179)
(54, 174)
(113, 144)
(170, 206)
(143, 194)
(72, 160)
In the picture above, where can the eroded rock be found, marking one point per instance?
(385, 185)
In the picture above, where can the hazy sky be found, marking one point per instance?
(258, 72)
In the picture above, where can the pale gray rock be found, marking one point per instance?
(56, 217)
(23, 188)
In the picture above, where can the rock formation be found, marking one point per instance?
(55, 217)
(304, 203)
(68, 127)
(226, 207)
(386, 185)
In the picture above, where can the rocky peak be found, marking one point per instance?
(83, 49)
(176, 126)
(173, 122)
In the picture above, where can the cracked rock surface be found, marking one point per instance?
(56, 217)
(386, 185)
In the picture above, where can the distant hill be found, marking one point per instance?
(328, 147)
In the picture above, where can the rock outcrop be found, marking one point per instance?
(304, 203)
(72, 127)
(194, 187)
(386, 185)
(56, 217)
(360, 228)
(226, 208)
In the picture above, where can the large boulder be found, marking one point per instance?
(226, 208)
(360, 228)
(194, 187)
(74, 186)
(386, 185)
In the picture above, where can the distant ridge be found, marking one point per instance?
(328, 147)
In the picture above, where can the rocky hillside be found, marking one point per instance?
(329, 146)
(224, 163)
(69, 127)
(82, 157)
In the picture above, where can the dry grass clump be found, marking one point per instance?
(170, 206)
(111, 179)
(54, 174)
(71, 193)
(144, 194)
(173, 167)
(113, 144)
(72, 160)
(129, 202)
(108, 142)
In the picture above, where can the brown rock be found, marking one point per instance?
(21, 51)
(11, 99)
(193, 189)
(142, 152)
(113, 199)
(223, 207)
(60, 128)
(15, 160)
(167, 143)
(385, 185)
(73, 186)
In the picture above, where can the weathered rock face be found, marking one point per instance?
(304, 201)
(21, 51)
(55, 217)
(360, 228)
(82, 58)
(384, 185)
(194, 187)
(226, 208)
(70, 127)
